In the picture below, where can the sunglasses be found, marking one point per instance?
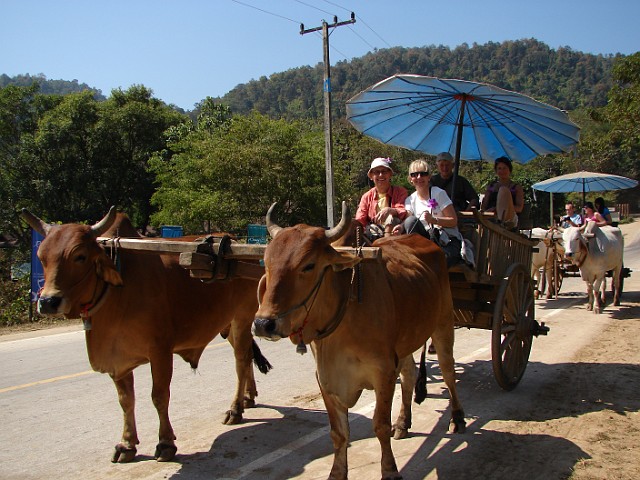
(419, 174)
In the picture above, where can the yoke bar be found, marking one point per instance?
(237, 251)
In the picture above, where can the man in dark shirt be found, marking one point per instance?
(465, 195)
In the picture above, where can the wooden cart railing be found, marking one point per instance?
(497, 250)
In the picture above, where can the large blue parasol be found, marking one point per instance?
(472, 121)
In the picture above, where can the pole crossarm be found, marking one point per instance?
(333, 25)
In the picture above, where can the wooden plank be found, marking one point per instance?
(237, 251)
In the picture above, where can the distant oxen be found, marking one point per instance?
(596, 251)
(143, 311)
(307, 295)
(549, 248)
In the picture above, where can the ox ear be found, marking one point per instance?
(107, 271)
(343, 261)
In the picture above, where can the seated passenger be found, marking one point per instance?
(382, 207)
(503, 196)
(602, 210)
(592, 215)
(431, 214)
(572, 218)
(465, 197)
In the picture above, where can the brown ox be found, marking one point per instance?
(306, 294)
(143, 313)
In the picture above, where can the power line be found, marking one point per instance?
(265, 11)
(313, 6)
(360, 19)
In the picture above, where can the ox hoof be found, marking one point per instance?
(457, 424)
(589, 307)
(400, 433)
(232, 418)
(391, 476)
(249, 403)
(123, 454)
(165, 452)
(616, 303)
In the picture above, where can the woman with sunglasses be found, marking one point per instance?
(382, 207)
(431, 213)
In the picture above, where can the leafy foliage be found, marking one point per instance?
(562, 77)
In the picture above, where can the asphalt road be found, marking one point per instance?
(61, 420)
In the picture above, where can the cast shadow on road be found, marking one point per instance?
(232, 453)
(561, 391)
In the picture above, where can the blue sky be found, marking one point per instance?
(186, 50)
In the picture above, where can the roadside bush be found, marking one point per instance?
(14, 301)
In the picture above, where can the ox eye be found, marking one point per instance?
(309, 267)
(81, 258)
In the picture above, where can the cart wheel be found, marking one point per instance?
(513, 321)
(559, 279)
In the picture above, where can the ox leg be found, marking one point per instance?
(125, 451)
(407, 382)
(443, 338)
(161, 373)
(590, 296)
(597, 301)
(241, 340)
(615, 281)
(382, 426)
(339, 422)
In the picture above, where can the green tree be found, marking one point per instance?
(224, 177)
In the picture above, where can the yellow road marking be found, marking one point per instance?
(73, 375)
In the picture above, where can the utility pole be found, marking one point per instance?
(328, 142)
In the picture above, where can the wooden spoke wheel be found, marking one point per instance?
(558, 275)
(513, 326)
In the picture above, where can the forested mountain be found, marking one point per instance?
(563, 77)
(48, 87)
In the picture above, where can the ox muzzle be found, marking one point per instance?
(267, 328)
(49, 305)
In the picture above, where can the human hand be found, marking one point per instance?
(398, 229)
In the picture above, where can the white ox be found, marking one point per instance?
(542, 259)
(596, 251)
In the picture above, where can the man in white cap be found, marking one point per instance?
(465, 195)
(382, 207)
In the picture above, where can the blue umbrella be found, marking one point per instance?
(473, 121)
(585, 182)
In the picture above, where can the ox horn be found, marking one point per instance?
(342, 227)
(36, 223)
(272, 227)
(104, 224)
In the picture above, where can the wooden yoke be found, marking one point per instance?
(215, 258)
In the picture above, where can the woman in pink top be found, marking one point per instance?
(382, 207)
(592, 215)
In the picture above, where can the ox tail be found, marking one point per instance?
(421, 382)
(260, 361)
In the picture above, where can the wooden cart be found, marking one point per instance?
(497, 295)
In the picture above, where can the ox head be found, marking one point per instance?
(76, 268)
(575, 245)
(298, 295)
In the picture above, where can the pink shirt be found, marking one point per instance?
(367, 208)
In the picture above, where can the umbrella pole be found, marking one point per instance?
(456, 164)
